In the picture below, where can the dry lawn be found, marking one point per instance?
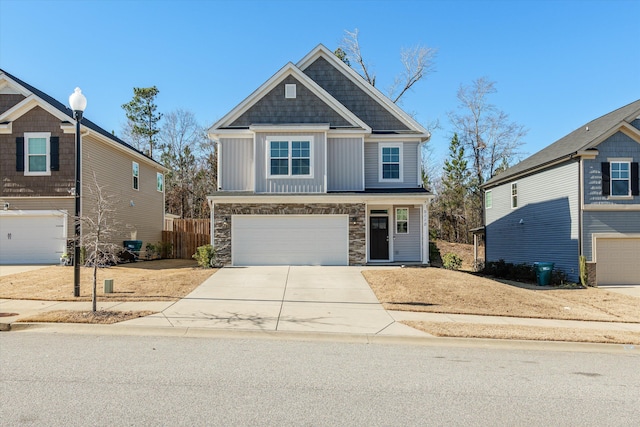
(513, 332)
(443, 291)
(161, 280)
(98, 317)
(464, 251)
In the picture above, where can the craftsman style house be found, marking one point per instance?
(578, 196)
(317, 167)
(37, 182)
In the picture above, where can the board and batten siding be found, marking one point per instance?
(406, 247)
(141, 212)
(410, 166)
(290, 185)
(544, 226)
(618, 146)
(344, 164)
(237, 164)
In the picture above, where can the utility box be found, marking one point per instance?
(108, 286)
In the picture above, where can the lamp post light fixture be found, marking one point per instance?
(78, 103)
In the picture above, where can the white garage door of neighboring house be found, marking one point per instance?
(32, 237)
(290, 239)
(618, 261)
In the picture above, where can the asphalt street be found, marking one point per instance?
(74, 380)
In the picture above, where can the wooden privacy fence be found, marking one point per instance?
(187, 235)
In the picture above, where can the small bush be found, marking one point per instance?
(451, 261)
(205, 255)
(584, 275)
(434, 254)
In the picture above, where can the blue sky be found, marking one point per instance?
(557, 64)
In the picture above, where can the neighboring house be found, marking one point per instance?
(578, 196)
(317, 167)
(37, 168)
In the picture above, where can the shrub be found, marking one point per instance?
(584, 275)
(205, 255)
(434, 253)
(451, 261)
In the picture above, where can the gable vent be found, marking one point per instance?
(290, 91)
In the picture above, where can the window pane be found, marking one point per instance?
(279, 149)
(391, 171)
(135, 169)
(37, 146)
(402, 227)
(279, 167)
(160, 182)
(487, 199)
(620, 188)
(300, 167)
(37, 163)
(401, 214)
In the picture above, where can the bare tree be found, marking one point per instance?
(99, 230)
(134, 139)
(417, 62)
(485, 130)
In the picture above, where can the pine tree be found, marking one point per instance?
(453, 200)
(141, 113)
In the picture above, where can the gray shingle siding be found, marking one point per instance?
(544, 227)
(607, 222)
(406, 247)
(618, 145)
(344, 164)
(410, 166)
(352, 97)
(237, 164)
(636, 124)
(306, 107)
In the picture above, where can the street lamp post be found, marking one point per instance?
(78, 103)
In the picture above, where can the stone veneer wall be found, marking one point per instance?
(357, 235)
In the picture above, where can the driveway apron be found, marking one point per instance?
(279, 298)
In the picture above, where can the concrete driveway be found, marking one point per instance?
(6, 270)
(282, 298)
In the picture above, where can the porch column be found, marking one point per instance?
(425, 233)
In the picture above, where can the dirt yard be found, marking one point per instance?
(161, 280)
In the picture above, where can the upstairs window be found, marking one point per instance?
(290, 157)
(514, 195)
(37, 151)
(390, 162)
(160, 182)
(488, 202)
(135, 171)
(402, 221)
(620, 178)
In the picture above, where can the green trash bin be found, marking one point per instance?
(543, 272)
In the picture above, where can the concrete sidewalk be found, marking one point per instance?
(283, 298)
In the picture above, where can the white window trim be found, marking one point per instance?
(401, 171)
(158, 175)
(407, 221)
(46, 135)
(133, 176)
(488, 193)
(289, 139)
(627, 196)
(511, 196)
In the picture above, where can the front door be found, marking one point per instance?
(379, 237)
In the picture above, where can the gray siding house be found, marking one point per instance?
(317, 167)
(578, 196)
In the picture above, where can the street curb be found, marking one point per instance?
(189, 332)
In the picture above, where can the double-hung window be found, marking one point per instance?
(514, 195)
(36, 153)
(620, 178)
(135, 171)
(290, 157)
(390, 163)
(159, 182)
(488, 202)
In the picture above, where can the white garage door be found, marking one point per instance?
(32, 237)
(290, 239)
(618, 261)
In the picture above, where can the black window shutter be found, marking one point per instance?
(606, 178)
(635, 184)
(55, 156)
(20, 154)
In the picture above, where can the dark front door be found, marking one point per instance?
(379, 237)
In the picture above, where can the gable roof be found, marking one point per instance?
(584, 138)
(34, 96)
(349, 115)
